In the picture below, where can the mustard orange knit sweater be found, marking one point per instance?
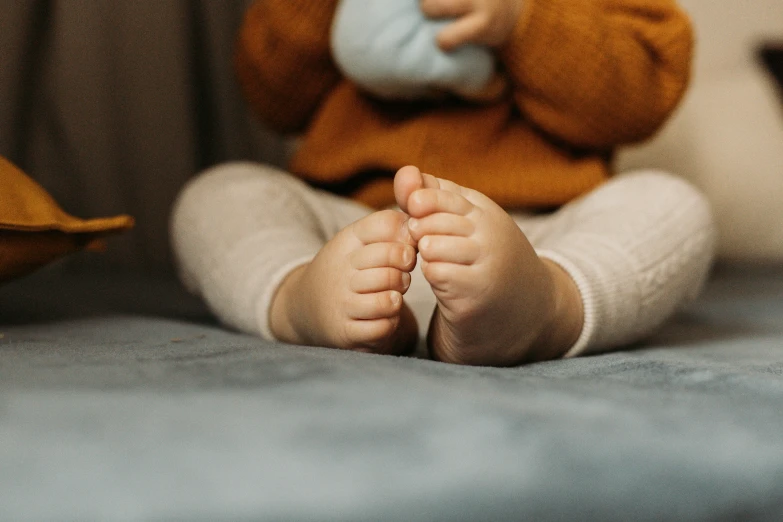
(587, 76)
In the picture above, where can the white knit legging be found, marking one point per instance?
(637, 247)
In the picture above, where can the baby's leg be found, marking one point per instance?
(638, 247)
(498, 303)
(273, 257)
(635, 249)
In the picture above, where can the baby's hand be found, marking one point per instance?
(487, 22)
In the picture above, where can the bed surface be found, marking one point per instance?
(122, 399)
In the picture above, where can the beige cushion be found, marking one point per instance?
(727, 136)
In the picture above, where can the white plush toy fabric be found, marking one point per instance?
(388, 47)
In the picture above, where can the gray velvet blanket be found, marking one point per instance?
(121, 399)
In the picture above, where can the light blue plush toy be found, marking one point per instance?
(388, 47)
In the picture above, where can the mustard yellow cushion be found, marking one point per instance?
(34, 230)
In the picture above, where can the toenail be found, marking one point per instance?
(396, 298)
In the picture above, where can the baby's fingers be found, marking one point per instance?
(445, 8)
(468, 29)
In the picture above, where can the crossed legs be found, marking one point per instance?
(316, 269)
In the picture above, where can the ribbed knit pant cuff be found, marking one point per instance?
(245, 282)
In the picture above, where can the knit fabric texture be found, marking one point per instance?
(586, 77)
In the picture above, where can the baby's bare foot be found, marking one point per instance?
(350, 295)
(499, 304)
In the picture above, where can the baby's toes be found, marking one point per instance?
(427, 201)
(376, 305)
(372, 334)
(374, 280)
(441, 224)
(449, 280)
(449, 249)
(431, 181)
(400, 256)
(382, 226)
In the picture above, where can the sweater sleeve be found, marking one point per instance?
(283, 60)
(599, 73)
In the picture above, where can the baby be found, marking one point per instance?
(516, 106)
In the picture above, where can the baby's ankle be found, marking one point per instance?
(564, 325)
(282, 311)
